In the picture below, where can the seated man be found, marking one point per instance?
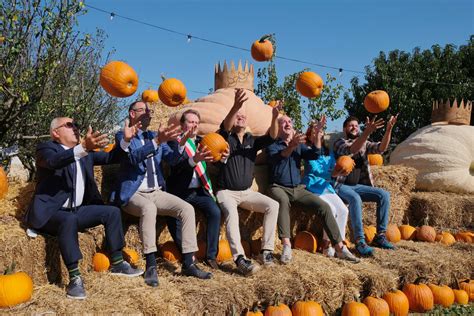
(358, 185)
(284, 157)
(140, 189)
(67, 200)
(234, 182)
(190, 181)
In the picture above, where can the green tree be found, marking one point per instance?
(413, 81)
(49, 69)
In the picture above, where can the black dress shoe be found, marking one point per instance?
(212, 263)
(151, 276)
(194, 271)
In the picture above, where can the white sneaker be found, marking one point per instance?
(345, 254)
(329, 252)
(286, 254)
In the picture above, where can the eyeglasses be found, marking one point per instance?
(146, 110)
(69, 125)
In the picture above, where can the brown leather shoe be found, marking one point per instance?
(212, 263)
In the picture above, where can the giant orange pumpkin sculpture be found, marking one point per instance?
(172, 92)
(309, 84)
(119, 79)
(376, 101)
(262, 49)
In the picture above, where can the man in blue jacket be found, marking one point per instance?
(141, 189)
(67, 200)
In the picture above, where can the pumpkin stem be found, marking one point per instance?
(419, 279)
(277, 299)
(10, 269)
(265, 37)
(162, 75)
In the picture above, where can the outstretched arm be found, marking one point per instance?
(239, 100)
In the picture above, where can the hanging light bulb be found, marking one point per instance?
(189, 38)
(340, 72)
(112, 15)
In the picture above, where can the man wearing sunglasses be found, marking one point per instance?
(67, 200)
(141, 189)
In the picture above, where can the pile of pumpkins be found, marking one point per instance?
(415, 297)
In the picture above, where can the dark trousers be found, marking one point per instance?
(200, 199)
(286, 196)
(66, 224)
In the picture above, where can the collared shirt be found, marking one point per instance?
(285, 171)
(342, 147)
(237, 172)
(79, 152)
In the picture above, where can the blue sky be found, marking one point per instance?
(345, 34)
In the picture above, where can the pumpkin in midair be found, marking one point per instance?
(216, 144)
(224, 253)
(150, 96)
(118, 79)
(420, 297)
(170, 252)
(15, 288)
(100, 262)
(304, 240)
(172, 92)
(3, 183)
(377, 306)
(376, 101)
(375, 159)
(262, 49)
(397, 302)
(303, 308)
(309, 84)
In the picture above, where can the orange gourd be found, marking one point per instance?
(375, 159)
(3, 183)
(369, 233)
(393, 233)
(278, 309)
(131, 256)
(445, 238)
(397, 302)
(377, 306)
(150, 96)
(100, 262)
(216, 144)
(172, 92)
(224, 253)
(461, 297)
(344, 163)
(304, 308)
(118, 79)
(442, 295)
(426, 233)
(407, 232)
(376, 101)
(15, 288)
(468, 286)
(355, 309)
(170, 252)
(255, 311)
(304, 240)
(309, 84)
(465, 236)
(262, 49)
(420, 297)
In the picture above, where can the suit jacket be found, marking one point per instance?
(55, 180)
(181, 172)
(133, 166)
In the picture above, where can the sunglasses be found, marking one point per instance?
(69, 125)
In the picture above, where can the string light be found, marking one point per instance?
(189, 38)
(112, 15)
(340, 72)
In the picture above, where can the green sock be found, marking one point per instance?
(116, 258)
(73, 270)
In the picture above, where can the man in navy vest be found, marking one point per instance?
(67, 200)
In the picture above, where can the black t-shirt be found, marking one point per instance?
(237, 173)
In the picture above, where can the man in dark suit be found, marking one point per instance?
(190, 181)
(141, 189)
(67, 200)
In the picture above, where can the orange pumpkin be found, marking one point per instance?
(170, 252)
(100, 262)
(369, 233)
(247, 248)
(420, 297)
(309, 84)
(216, 144)
(256, 246)
(465, 236)
(393, 233)
(303, 308)
(172, 92)
(344, 163)
(426, 233)
(355, 308)
(445, 238)
(377, 306)
(224, 253)
(278, 309)
(255, 311)
(397, 302)
(3, 183)
(468, 286)
(15, 288)
(131, 256)
(461, 297)
(442, 295)
(407, 232)
(150, 96)
(202, 249)
(375, 159)
(304, 240)
(118, 79)
(376, 101)
(262, 49)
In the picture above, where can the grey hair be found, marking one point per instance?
(54, 124)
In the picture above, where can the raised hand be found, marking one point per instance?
(391, 122)
(297, 139)
(94, 140)
(240, 98)
(277, 108)
(203, 153)
(168, 133)
(371, 125)
(317, 129)
(186, 136)
(130, 131)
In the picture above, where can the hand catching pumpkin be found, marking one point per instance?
(277, 109)
(94, 140)
(203, 153)
(391, 122)
(166, 134)
(130, 131)
(225, 155)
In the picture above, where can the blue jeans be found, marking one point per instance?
(200, 199)
(354, 195)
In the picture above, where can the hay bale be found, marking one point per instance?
(444, 210)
